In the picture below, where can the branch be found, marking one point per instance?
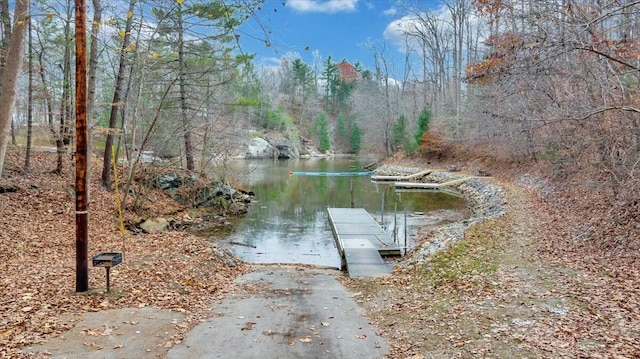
(611, 13)
(546, 122)
(618, 60)
(605, 109)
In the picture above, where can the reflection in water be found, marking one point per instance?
(288, 222)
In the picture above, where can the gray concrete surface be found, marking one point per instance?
(119, 333)
(280, 312)
(285, 312)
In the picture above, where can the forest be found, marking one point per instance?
(541, 94)
(546, 85)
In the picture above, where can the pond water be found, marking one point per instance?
(288, 221)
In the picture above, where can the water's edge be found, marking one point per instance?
(485, 201)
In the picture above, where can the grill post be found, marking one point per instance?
(107, 260)
(108, 284)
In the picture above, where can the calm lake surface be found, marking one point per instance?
(288, 221)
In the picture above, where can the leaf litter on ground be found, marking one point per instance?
(171, 270)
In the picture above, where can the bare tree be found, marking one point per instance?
(186, 123)
(558, 86)
(63, 137)
(27, 156)
(91, 79)
(9, 78)
(116, 103)
(459, 12)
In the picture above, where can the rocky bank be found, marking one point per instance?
(485, 201)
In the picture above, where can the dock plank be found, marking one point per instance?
(430, 186)
(386, 178)
(365, 262)
(361, 242)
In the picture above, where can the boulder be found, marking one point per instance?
(260, 148)
(237, 208)
(155, 225)
(214, 194)
(286, 150)
(169, 181)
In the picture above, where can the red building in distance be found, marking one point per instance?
(348, 72)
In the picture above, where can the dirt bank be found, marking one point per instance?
(500, 293)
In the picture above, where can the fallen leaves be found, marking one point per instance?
(249, 326)
(503, 294)
(172, 270)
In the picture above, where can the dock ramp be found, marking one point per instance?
(362, 242)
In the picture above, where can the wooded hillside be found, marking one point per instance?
(548, 87)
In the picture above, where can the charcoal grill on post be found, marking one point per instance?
(107, 260)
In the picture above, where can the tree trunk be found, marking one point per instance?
(27, 156)
(6, 31)
(65, 101)
(91, 83)
(45, 90)
(143, 145)
(115, 104)
(9, 78)
(13, 131)
(186, 124)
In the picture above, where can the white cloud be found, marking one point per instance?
(390, 11)
(392, 82)
(271, 61)
(326, 6)
(396, 30)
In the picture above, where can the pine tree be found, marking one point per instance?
(399, 134)
(356, 138)
(423, 124)
(324, 142)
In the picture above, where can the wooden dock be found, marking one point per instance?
(381, 178)
(361, 242)
(429, 186)
(331, 174)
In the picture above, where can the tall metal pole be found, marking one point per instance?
(395, 223)
(405, 230)
(382, 210)
(353, 203)
(82, 208)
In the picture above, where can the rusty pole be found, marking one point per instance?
(82, 208)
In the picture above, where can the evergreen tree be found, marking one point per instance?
(423, 124)
(324, 142)
(331, 77)
(342, 127)
(399, 134)
(356, 138)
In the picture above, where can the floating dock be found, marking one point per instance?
(376, 178)
(330, 174)
(429, 186)
(362, 242)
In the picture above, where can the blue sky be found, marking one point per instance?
(328, 27)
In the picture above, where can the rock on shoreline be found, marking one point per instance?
(485, 200)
